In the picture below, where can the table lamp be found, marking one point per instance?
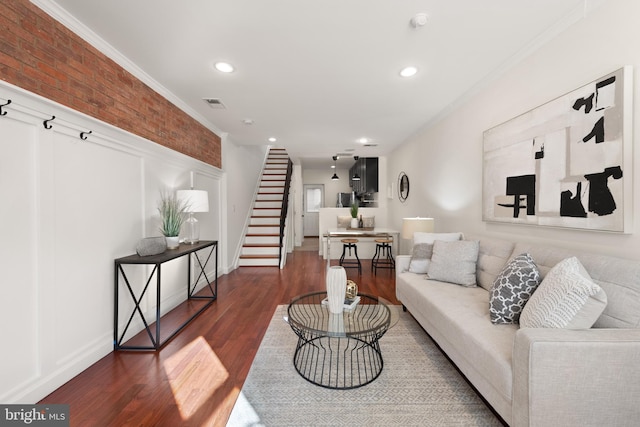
(412, 225)
(196, 201)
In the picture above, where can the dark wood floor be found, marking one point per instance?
(195, 379)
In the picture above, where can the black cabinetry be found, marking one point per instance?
(367, 169)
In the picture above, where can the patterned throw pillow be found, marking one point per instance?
(512, 288)
(566, 298)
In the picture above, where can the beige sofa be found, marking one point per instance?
(538, 376)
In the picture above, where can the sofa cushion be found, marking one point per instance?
(566, 298)
(458, 319)
(454, 262)
(512, 289)
(423, 249)
(492, 257)
(618, 277)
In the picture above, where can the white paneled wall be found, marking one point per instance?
(69, 208)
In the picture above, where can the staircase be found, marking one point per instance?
(262, 242)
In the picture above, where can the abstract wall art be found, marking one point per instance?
(566, 163)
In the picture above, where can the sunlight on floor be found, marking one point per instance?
(194, 372)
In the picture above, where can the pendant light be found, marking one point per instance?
(335, 176)
(355, 177)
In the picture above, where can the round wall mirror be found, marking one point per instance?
(403, 186)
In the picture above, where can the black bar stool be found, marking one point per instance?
(350, 263)
(383, 258)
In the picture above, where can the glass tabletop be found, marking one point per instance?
(370, 316)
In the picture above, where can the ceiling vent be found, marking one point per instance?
(215, 103)
(370, 145)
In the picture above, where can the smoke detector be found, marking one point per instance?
(419, 20)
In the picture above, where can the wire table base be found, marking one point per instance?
(338, 351)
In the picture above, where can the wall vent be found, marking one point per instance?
(215, 103)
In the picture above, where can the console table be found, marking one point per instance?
(188, 250)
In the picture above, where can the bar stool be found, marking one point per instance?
(350, 263)
(383, 249)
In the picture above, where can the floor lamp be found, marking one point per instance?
(412, 225)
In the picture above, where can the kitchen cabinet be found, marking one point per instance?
(367, 169)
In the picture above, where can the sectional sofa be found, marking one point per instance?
(532, 374)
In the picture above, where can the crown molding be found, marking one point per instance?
(72, 23)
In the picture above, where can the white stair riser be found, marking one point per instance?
(266, 212)
(259, 251)
(270, 197)
(267, 204)
(253, 262)
(263, 230)
(270, 190)
(262, 239)
(275, 222)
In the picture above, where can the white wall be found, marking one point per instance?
(70, 207)
(331, 188)
(444, 161)
(243, 167)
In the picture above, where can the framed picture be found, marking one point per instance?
(566, 163)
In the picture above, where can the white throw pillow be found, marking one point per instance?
(422, 249)
(566, 298)
(454, 262)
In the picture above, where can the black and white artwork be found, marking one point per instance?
(566, 163)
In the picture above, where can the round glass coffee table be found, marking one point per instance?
(339, 351)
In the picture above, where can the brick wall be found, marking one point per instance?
(39, 54)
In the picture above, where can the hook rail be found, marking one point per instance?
(4, 113)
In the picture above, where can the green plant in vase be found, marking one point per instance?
(354, 215)
(171, 211)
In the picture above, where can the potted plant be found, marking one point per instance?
(354, 215)
(171, 211)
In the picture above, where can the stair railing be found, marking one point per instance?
(285, 207)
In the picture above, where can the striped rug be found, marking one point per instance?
(417, 387)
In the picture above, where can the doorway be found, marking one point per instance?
(312, 201)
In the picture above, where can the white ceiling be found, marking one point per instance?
(317, 75)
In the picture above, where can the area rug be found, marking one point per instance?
(418, 386)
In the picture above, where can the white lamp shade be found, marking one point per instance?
(412, 225)
(196, 200)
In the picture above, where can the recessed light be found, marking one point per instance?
(363, 140)
(272, 139)
(408, 71)
(247, 121)
(224, 67)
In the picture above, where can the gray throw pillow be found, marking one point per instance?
(454, 262)
(420, 258)
(512, 288)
